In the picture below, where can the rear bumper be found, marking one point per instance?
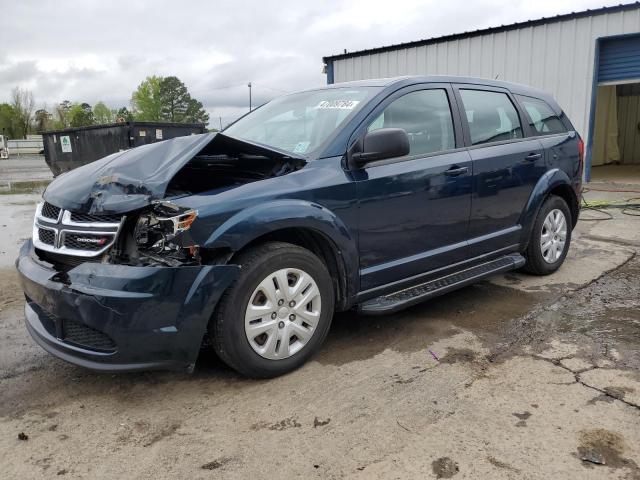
(121, 318)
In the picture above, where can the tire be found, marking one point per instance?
(545, 261)
(232, 326)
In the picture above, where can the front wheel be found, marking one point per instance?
(550, 237)
(276, 315)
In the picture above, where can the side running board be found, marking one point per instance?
(393, 302)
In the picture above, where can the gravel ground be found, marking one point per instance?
(516, 378)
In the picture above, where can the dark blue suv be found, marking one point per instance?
(373, 195)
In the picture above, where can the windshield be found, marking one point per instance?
(300, 122)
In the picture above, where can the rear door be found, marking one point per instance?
(560, 142)
(414, 210)
(506, 166)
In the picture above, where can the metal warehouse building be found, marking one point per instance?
(589, 61)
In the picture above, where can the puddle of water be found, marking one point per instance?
(459, 355)
(606, 314)
(485, 309)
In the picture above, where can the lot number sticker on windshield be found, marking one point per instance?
(337, 104)
(301, 147)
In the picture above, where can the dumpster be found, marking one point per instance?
(70, 148)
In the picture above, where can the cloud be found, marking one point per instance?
(96, 50)
(15, 73)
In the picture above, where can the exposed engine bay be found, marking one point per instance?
(208, 172)
(226, 162)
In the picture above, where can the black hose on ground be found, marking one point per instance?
(627, 208)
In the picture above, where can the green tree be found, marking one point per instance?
(8, 120)
(42, 120)
(196, 113)
(166, 99)
(124, 114)
(62, 114)
(103, 114)
(174, 99)
(146, 102)
(81, 115)
(23, 104)
(177, 103)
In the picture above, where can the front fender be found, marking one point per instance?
(259, 220)
(549, 181)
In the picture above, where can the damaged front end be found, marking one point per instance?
(157, 235)
(125, 208)
(115, 278)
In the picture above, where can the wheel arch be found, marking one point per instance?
(553, 182)
(567, 193)
(301, 223)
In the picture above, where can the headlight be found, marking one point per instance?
(181, 222)
(162, 229)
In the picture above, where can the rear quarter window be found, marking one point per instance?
(543, 119)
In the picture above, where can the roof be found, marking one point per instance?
(368, 82)
(406, 80)
(486, 31)
(513, 87)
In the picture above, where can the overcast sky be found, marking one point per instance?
(92, 50)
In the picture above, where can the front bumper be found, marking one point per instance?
(121, 318)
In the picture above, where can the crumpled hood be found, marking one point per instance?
(127, 180)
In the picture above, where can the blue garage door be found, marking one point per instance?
(619, 59)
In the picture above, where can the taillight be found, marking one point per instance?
(581, 153)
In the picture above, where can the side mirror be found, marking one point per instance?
(380, 144)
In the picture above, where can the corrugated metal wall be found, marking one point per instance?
(557, 57)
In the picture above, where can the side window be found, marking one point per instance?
(491, 116)
(544, 121)
(426, 117)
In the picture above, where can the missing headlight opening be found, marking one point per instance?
(161, 236)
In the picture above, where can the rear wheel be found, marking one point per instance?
(550, 237)
(276, 315)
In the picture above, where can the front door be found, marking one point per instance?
(414, 210)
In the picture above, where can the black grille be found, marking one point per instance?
(86, 218)
(64, 263)
(50, 211)
(86, 241)
(46, 236)
(86, 336)
(73, 332)
(49, 320)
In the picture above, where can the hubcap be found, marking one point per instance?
(282, 313)
(554, 236)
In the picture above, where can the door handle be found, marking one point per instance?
(456, 171)
(532, 157)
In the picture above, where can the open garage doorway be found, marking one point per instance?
(615, 135)
(615, 154)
